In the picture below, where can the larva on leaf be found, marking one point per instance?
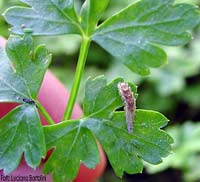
(129, 103)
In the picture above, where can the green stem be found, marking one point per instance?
(78, 75)
(45, 113)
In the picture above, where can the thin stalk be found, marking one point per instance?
(45, 113)
(77, 78)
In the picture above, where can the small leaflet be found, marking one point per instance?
(129, 103)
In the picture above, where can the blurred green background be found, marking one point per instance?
(173, 89)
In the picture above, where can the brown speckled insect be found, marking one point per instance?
(129, 103)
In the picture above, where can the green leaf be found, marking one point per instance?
(146, 142)
(102, 97)
(22, 71)
(91, 12)
(124, 150)
(21, 132)
(73, 145)
(49, 17)
(93, 87)
(133, 33)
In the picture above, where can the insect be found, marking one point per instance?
(28, 101)
(129, 103)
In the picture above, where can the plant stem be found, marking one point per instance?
(45, 113)
(77, 78)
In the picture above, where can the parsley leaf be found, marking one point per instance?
(22, 69)
(73, 145)
(74, 139)
(21, 132)
(51, 17)
(134, 33)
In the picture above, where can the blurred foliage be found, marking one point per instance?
(183, 62)
(186, 154)
(169, 84)
(173, 89)
(191, 95)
